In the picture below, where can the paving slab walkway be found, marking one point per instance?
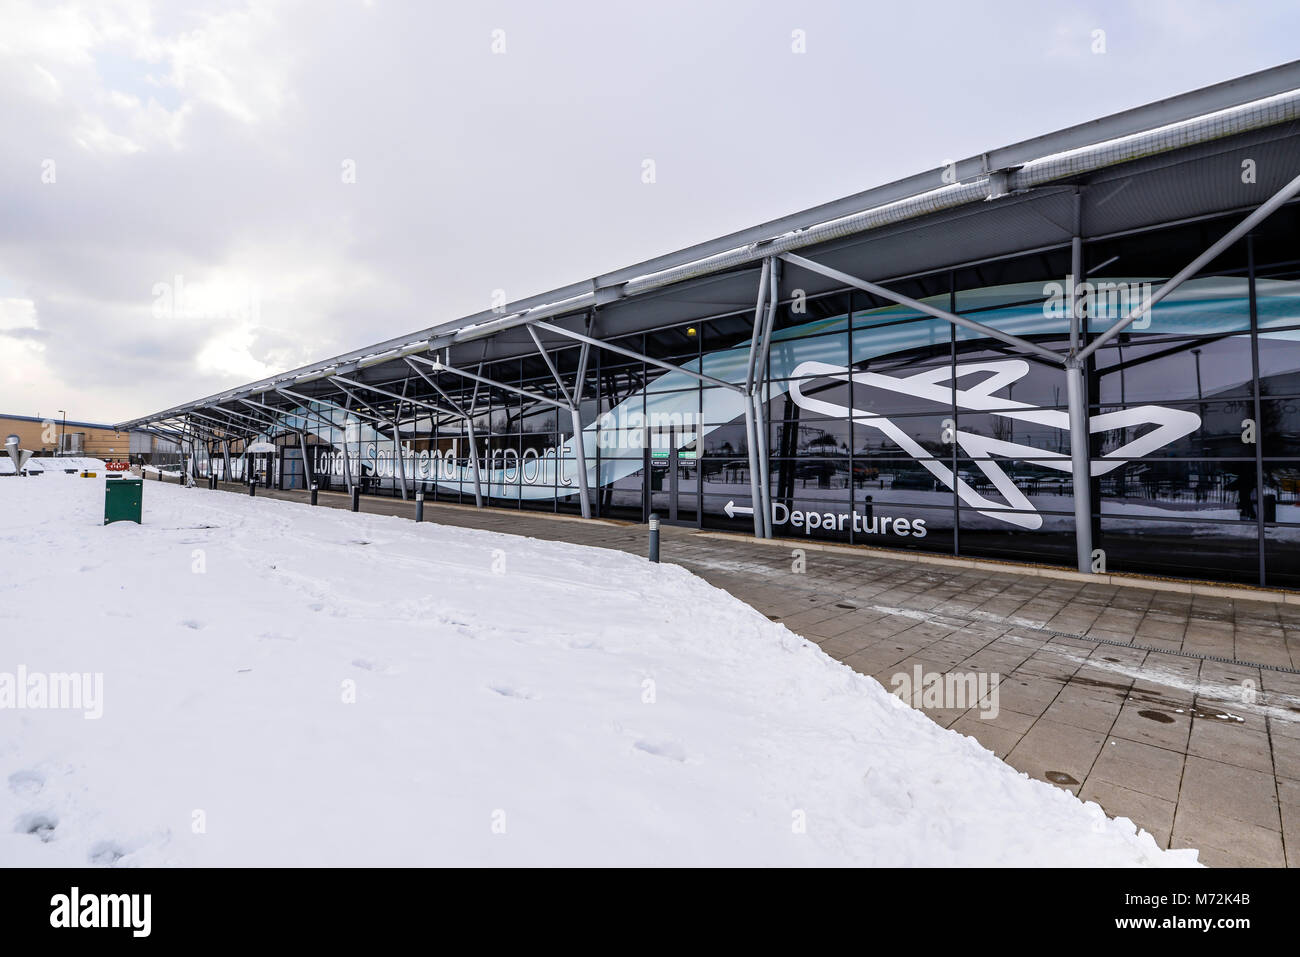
(1178, 711)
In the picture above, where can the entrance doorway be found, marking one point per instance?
(672, 470)
(292, 474)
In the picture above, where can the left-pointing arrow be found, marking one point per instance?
(732, 510)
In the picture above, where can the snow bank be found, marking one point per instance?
(53, 465)
(285, 685)
(154, 470)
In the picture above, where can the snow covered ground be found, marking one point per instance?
(53, 464)
(286, 685)
(148, 470)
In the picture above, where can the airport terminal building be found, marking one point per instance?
(1082, 350)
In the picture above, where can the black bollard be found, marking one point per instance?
(314, 490)
(252, 488)
(654, 537)
(356, 499)
(419, 505)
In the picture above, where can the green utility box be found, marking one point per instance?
(122, 499)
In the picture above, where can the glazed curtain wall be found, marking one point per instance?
(893, 429)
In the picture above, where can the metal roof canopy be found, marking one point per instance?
(1176, 184)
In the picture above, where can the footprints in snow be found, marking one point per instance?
(26, 782)
(672, 750)
(39, 824)
(378, 666)
(106, 853)
(43, 825)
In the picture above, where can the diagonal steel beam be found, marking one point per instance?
(256, 420)
(274, 421)
(227, 422)
(575, 416)
(580, 378)
(1269, 207)
(379, 419)
(392, 395)
(610, 347)
(205, 431)
(956, 320)
(305, 413)
(308, 471)
(208, 419)
(469, 429)
(333, 405)
(168, 431)
(439, 366)
(457, 410)
(550, 365)
(247, 424)
(223, 423)
(358, 400)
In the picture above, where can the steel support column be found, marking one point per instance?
(575, 416)
(763, 425)
(1076, 270)
(1076, 382)
(308, 474)
(1076, 390)
(397, 450)
(579, 442)
(580, 463)
(347, 453)
(751, 428)
(473, 444)
(465, 417)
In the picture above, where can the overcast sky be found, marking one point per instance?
(194, 195)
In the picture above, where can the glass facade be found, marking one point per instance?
(889, 428)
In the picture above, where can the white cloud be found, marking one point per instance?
(237, 61)
(17, 314)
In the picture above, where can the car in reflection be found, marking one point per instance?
(916, 479)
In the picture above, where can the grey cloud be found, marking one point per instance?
(521, 172)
